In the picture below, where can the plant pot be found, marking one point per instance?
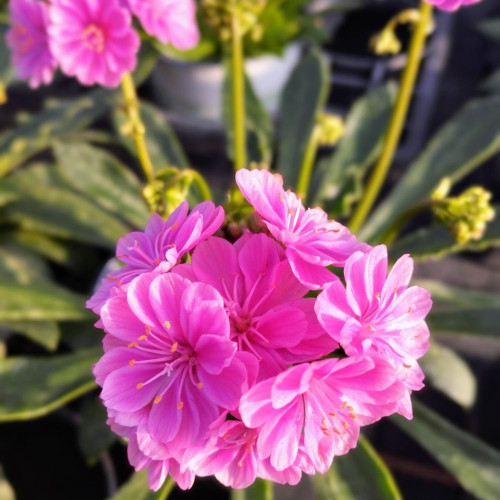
(193, 91)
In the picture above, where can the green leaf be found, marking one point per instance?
(44, 333)
(466, 320)
(163, 146)
(147, 59)
(450, 374)
(39, 302)
(104, 179)
(455, 151)
(303, 97)
(33, 387)
(22, 266)
(359, 475)
(474, 464)
(8, 193)
(136, 488)
(6, 490)
(48, 206)
(491, 83)
(491, 28)
(339, 182)
(259, 490)
(94, 435)
(259, 127)
(57, 121)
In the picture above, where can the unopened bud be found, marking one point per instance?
(330, 129)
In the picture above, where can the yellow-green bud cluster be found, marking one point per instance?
(465, 215)
(330, 129)
(219, 14)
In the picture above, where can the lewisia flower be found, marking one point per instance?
(93, 40)
(171, 21)
(264, 300)
(319, 407)
(451, 4)
(159, 247)
(28, 42)
(172, 367)
(377, 314)
(312, 242)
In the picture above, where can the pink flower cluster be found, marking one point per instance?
(222, 359)
(451, 4)
(92, 40)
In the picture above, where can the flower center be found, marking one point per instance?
(241, 323)
(23, 39)
(93, 38)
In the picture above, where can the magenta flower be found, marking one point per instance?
(28, 41)
(159, 247)
(379, 315)
(171, 21)
(312, 242)
(93, 40)
(173, 367)
(451, 4)
(268, 316)
(319, 407)
(231, 455)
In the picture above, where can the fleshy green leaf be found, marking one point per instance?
(359, 475)
(259, 490)
(339, 180)
(57, 121)
(449, 373)
(44, 333)
(39, 302)
(466, 320)
(491, 28)
(303, 97)
(21, 265)
(474, 464)
(33, 387)
(94, 435)
(163, 146)
(455, 151)
(136, 488)
(103, 179)
(6, 490)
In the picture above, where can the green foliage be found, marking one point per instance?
(359, 475)
(260, 490)
(136, 488)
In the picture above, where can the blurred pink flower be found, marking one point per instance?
(312, 242)
(93, 40)
(171, 21)
(377, 314)
(173, 367)
(28, 41)
(159, 247)
(451, 4)
(268, 315)
(319, 407)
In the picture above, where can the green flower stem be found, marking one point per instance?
(240, 160)
(201, 184)
(137, 127)
(167, 488)
(398, 118)
(308, 164)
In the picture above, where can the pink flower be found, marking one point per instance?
(172, 368)
(159, 247)
(231, 455)
(171, 21)
(268, 315)
(379, 315)
(319, 407)
(451, 4)
(28, 41)
(93, 40)
(312, 242)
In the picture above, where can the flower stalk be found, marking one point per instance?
(138, 130)
(397, 119)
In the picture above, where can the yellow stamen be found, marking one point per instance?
(180, 405)
(157, 399)
(133, 344)
(174, 347)
(167, 324)
(131, 362)
(143, 337)
(199, 385)
(140, 385)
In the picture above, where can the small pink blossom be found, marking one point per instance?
(319, 408)
(312, 242)
(159, 247)
(171, 21)
(268, 315)
(28, 41)
(93, 40)
(377, 314)
(451, 4)
(173, 367)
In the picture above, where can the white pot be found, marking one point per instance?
(194, 90)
